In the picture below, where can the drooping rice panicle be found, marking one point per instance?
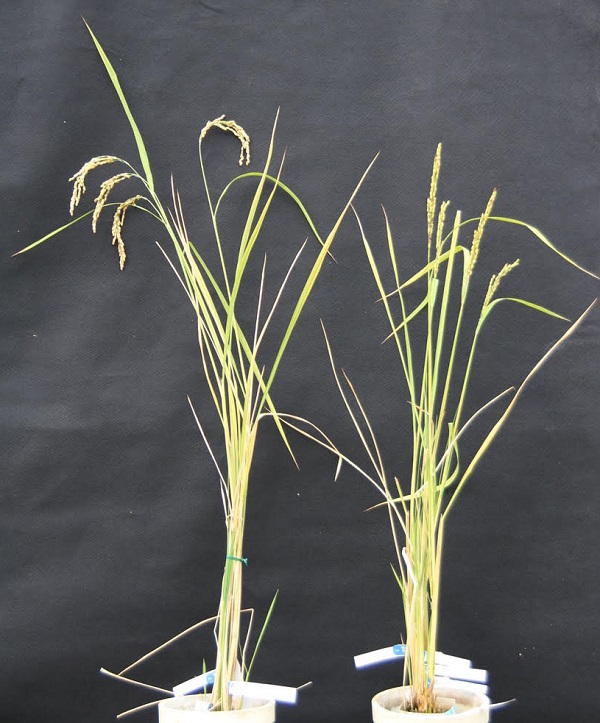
(238, 132)
(117, 227)
(78, 179)
(105, 189)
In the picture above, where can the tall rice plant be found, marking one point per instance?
(437, 366)
(239, 380)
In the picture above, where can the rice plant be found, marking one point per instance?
(437, 366)
(239, 380)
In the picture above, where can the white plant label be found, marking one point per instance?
(281, 693)
(461, 672)
(195, 684)
(383, 655)
(451, 660)
(462, 685)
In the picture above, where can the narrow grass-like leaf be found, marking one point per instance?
(262, 633)
(282, 186)
(523, 302)
(55, 232)
(500, 423)
(312, 278)
(546, 241)
(139, 141)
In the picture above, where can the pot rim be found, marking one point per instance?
(473, 700)
(254, 704)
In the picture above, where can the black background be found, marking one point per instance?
(112, 538)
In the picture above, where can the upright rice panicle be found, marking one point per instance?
(479, 231)
(432, 198)
(495, 281)
(440, 235)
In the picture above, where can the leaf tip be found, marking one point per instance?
(338, 469)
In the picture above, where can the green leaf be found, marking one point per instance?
(280, 185)
(117, 86)
(262, 633)
(54, 233)
(545, 240)
(523, 302)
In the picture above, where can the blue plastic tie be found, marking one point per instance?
(239, 559)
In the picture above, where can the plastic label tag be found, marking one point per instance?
(461, 672)
(195, 684)
(462, 684)
(451, 660)
(281, 693)
(383, 655)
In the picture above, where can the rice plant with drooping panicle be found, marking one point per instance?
(239, 381)
(437, 385)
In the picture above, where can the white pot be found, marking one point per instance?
(469, 707)
(182, 709)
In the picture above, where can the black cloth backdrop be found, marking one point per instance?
(112, 536)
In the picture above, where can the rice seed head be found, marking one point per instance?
(440, 235)
(432, 198)
(105, 189)
(483, 219)
(78, 179)
(496, 279)
(232, 127)
(117, 227)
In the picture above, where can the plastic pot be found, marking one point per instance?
(182, 709)
(460, 705)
